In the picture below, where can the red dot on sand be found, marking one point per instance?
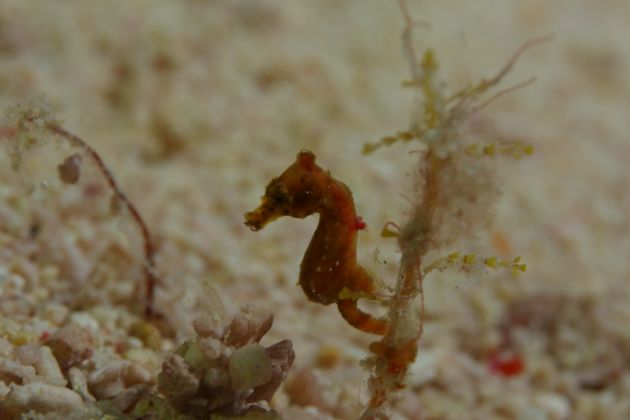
(508, 366)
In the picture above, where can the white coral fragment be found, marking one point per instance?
(42, 398)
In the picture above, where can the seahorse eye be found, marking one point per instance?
(278, 194)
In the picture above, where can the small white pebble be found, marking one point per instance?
(134, 342)
(144, 357)
(48, 367)
(55, 313)
(28, 354)
(85, 320)
(556, 406)
(78, 382)
(14, 372)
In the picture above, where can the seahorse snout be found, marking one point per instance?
(258, 219)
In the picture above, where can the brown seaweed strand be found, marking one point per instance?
(149, 248)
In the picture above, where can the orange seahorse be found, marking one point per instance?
(329, 272)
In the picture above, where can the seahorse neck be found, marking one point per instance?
(336, 231)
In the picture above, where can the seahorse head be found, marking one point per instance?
(297, 192)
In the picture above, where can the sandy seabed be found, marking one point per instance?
(195, 105)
